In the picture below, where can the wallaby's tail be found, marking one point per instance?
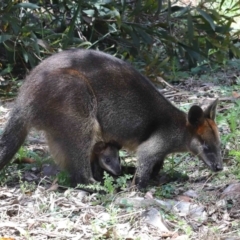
(13, 135)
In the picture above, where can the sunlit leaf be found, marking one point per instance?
(25, 55)
(26, 5)
(32, 60)
(138, 8)
(190, 28)
(35, 44)
(146, 37)
(183, 11)
(8, 69)
(207, 17)
(5, 37)
(235, 50)
(135, 38)
(159, 7)
(90, 12)
(221, 3)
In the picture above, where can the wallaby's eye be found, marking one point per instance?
(107, 160)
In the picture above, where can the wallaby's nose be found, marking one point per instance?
(118, 172)
(219, 167)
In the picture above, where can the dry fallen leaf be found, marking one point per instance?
(24, 160)
(231, 190)
(184, 198)
(6, 238)
(235, 94)
(53, 188)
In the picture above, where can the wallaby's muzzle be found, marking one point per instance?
(115, 170)
(213, 162)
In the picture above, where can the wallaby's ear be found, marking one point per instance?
(99, 147)
(210, 112)
(195, 115)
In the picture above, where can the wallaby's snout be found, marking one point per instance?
(217, 167)
(112, 165)
(208, 151)
(213, 161)
(118, 169)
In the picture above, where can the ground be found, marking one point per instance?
(188, 202)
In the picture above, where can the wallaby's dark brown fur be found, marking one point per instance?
(105, 156)
(79, 97)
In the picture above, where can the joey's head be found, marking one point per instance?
(204, 141)
(108, 157)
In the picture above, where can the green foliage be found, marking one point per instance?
(166, 191)
(5, 176)
(236, 154)
(109, 185)
(231, 139)
(23, 152)
(121, 182)
(154, 33)
(94, 187)
(63, 178)
(24, 185)
(19, 40)
(171, 163)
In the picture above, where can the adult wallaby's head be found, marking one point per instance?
(205, 141)
(108, 157)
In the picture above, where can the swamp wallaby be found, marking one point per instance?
(105, 156)
(79, 97)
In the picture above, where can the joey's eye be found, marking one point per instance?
(107, 160)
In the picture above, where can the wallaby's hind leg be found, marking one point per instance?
(71, 149)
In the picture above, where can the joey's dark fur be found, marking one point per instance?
(105, 156)
(79, 97)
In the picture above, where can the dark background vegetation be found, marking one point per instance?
(159, 37)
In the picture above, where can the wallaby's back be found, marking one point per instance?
(116, 85)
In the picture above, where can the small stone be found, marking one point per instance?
(154, 218)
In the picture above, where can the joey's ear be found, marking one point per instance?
(195, 115)
(115, 144)
(98, 147)
(210, 112)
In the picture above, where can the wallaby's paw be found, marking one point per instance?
(92, 181)
(139, 183)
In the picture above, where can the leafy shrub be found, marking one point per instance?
(154, 33)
